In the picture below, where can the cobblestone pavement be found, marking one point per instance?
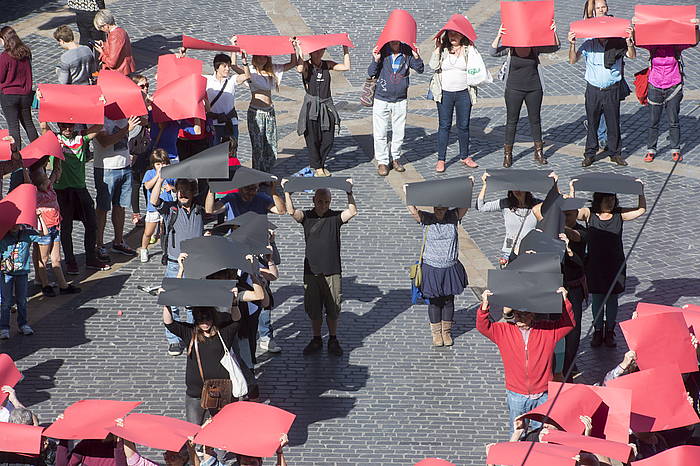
(391, 399)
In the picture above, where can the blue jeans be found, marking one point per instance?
(602, 132)
(13, 286)
(520, 404)
(610, 311)
(264, 325)
(113, 187)
(171, 270)
(219, 131)
(452, 102)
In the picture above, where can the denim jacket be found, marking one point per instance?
(17, 246)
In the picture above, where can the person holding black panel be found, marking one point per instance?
(322, 269)
(522, 84)
(606, 255)
(526, 348)
(443, 275)
(604, 70)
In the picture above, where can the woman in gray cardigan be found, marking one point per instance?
(522, 84)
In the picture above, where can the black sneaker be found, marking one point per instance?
(314, 346)
(48, 291)
(70, 289)
(97, 265)
(174, 349)
(609, 339)
(587, 162)
(597, 339)
(253, 392)
(334, 347)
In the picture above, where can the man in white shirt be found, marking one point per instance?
(221, 93)
(112, 166)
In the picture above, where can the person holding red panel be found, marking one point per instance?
(606, 255)
(391, 66)
(526, 347)
(665, 91)
(605, 86)
(523, 84)
(318, 117)
(264, 78)
(115, 53)
(74, 199)
(16, 87)
(452, 94)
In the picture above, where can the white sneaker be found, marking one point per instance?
(26, 330)
(4, 334)
(143, 254)
(270, 345)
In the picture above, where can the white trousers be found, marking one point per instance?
(382, 114)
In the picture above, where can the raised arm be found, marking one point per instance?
(293, 61)
(632, 214)
(590, 8)
(462, 211)
(351, 209)
(495, 50)
(296, 214)
(345, 66)
(167, 316)
(278, 208)
(257, 294)
(574, 55)
(212, 205)
(156, 188)
(631, 51)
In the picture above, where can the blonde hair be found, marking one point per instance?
(266, 70)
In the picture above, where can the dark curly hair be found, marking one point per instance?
(513, 202)
(604, 203)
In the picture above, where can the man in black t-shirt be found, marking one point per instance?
(322, 270)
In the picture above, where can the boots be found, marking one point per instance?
(436, 330)
(539, 154)
(507, 155)
(447, 332)
(597, 339)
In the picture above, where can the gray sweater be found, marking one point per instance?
(76, 66)
(512, 219)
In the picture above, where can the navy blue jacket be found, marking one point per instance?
(393, 87)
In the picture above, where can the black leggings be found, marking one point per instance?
(441, 309)
(17, 109)
(514, 102)
(76, 204)
(319, 142)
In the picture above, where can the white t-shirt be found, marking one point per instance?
(117, 155)
(454, 72)
(259, 82)
(225, 103)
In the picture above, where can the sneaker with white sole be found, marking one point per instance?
(123, 248)
(26, 330)
(143, 254)
(4, 334)
(270, 346)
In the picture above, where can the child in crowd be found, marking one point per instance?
(14, 271)
(49, 217)
(159, 158)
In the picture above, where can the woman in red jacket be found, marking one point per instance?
(526, 347)
(16, 85)
(115, 53)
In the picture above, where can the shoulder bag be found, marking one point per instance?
(416, 270)
(216, 393)
(239, 387)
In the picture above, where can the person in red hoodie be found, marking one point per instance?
(526, 347)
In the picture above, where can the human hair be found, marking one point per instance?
(64, 33)
(445, 42)
(136, 77)
(266, 70)
(14, 45)
(103, 17)
(186, 186)
(321, 192)
(232, 147)
(159, 156)
(604, 203)
(221, 59)
(223, 274)
(202, 314)
(21, 416)
(514, 203)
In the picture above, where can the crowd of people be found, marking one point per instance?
(132, 155)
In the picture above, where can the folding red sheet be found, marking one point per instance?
(180, 99)
(71, 103)
(246, 428)
(616, 450)
(664, 25)
(310, 44)
(600, 27)
(661, 339)
(527, 24)
(9, 374)
(159, 432)
(192, 43)
(18, 207)
(5, 150)
(400, 26)
(171, 67)
(89, 419)
(434, 462)
(20, 438)
(578, 401)
(677, 456)
(531, 454)
(265, 45)
(691, 313)
(46, 144)
(123, 96)
(659, 399)
(461, 24)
